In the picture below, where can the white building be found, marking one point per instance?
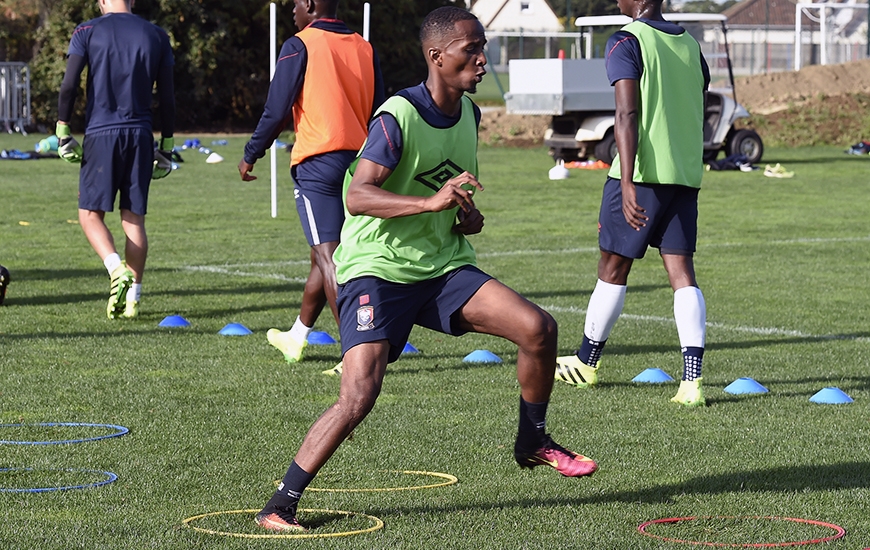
(516, 15)
(517, 29)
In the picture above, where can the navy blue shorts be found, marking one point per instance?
(373, 309)
(113, 162)
(317, 188)
(672, 226)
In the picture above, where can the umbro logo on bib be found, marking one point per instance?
(436, 178)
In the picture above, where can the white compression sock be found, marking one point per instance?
(112, 262)
(300, 332)
(135, 292)
(690, 313)
(605, 306)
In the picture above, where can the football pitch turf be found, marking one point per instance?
(214, 420)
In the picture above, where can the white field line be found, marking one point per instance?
(701, 246)
(225, 271)
(764, 331)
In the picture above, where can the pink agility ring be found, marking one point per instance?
(838, 531)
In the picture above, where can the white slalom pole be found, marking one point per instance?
(367, 20)
(273, 151)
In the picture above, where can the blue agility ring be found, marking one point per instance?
(119, 431)
(110, 477)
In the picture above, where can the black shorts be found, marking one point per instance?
(373, 309)
(113, 162)
(672, 226)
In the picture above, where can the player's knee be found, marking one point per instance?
(354, 406)
(541, 330)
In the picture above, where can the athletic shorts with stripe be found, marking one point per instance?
(317, 188)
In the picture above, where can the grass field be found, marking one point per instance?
(214, 419)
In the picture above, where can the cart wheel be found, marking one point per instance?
(565, 155)
(746, 143)
(605, 150)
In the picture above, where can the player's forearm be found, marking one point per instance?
(625, 131)
(371, 200)
(69, 87)
(268, 130)
(166, 98)
(283, 90)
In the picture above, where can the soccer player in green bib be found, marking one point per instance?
(651, 194)
(404, 259)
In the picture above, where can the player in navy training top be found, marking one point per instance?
(326, 86)
(125, 56)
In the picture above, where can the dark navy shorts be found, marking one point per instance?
(317, 188)
(113, 162)
(373, 309)
(672, 226)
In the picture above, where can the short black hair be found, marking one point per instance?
(441, 21)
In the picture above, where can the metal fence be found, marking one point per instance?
(14, 96)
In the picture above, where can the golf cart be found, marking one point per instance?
(578, 95)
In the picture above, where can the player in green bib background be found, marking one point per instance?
(650, 198)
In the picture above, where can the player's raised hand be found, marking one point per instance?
(245, 171)
(453, 194)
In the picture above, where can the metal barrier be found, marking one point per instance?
(14, 96)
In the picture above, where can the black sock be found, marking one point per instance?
(290, 490)
(590, 351)
(533, 424)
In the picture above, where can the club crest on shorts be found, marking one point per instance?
(365, 318)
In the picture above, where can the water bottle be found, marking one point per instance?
(46, 145)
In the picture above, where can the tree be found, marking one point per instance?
(580, 8)
(221, 52)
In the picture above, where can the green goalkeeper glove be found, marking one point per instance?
(67, 147)
(163, 158)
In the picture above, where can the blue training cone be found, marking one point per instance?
(174, 321)
(235, 329)
(482, 356)
(745, 385)
(320, 338)
(653, 376)
(409, 348)
(831, 396)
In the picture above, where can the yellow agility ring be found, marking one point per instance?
(377, 523)
(447, 480)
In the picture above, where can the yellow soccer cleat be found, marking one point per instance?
(336, 370)
(690, 394)
(131, 310)
(122, 280)
(291, 348)
(571, 370)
